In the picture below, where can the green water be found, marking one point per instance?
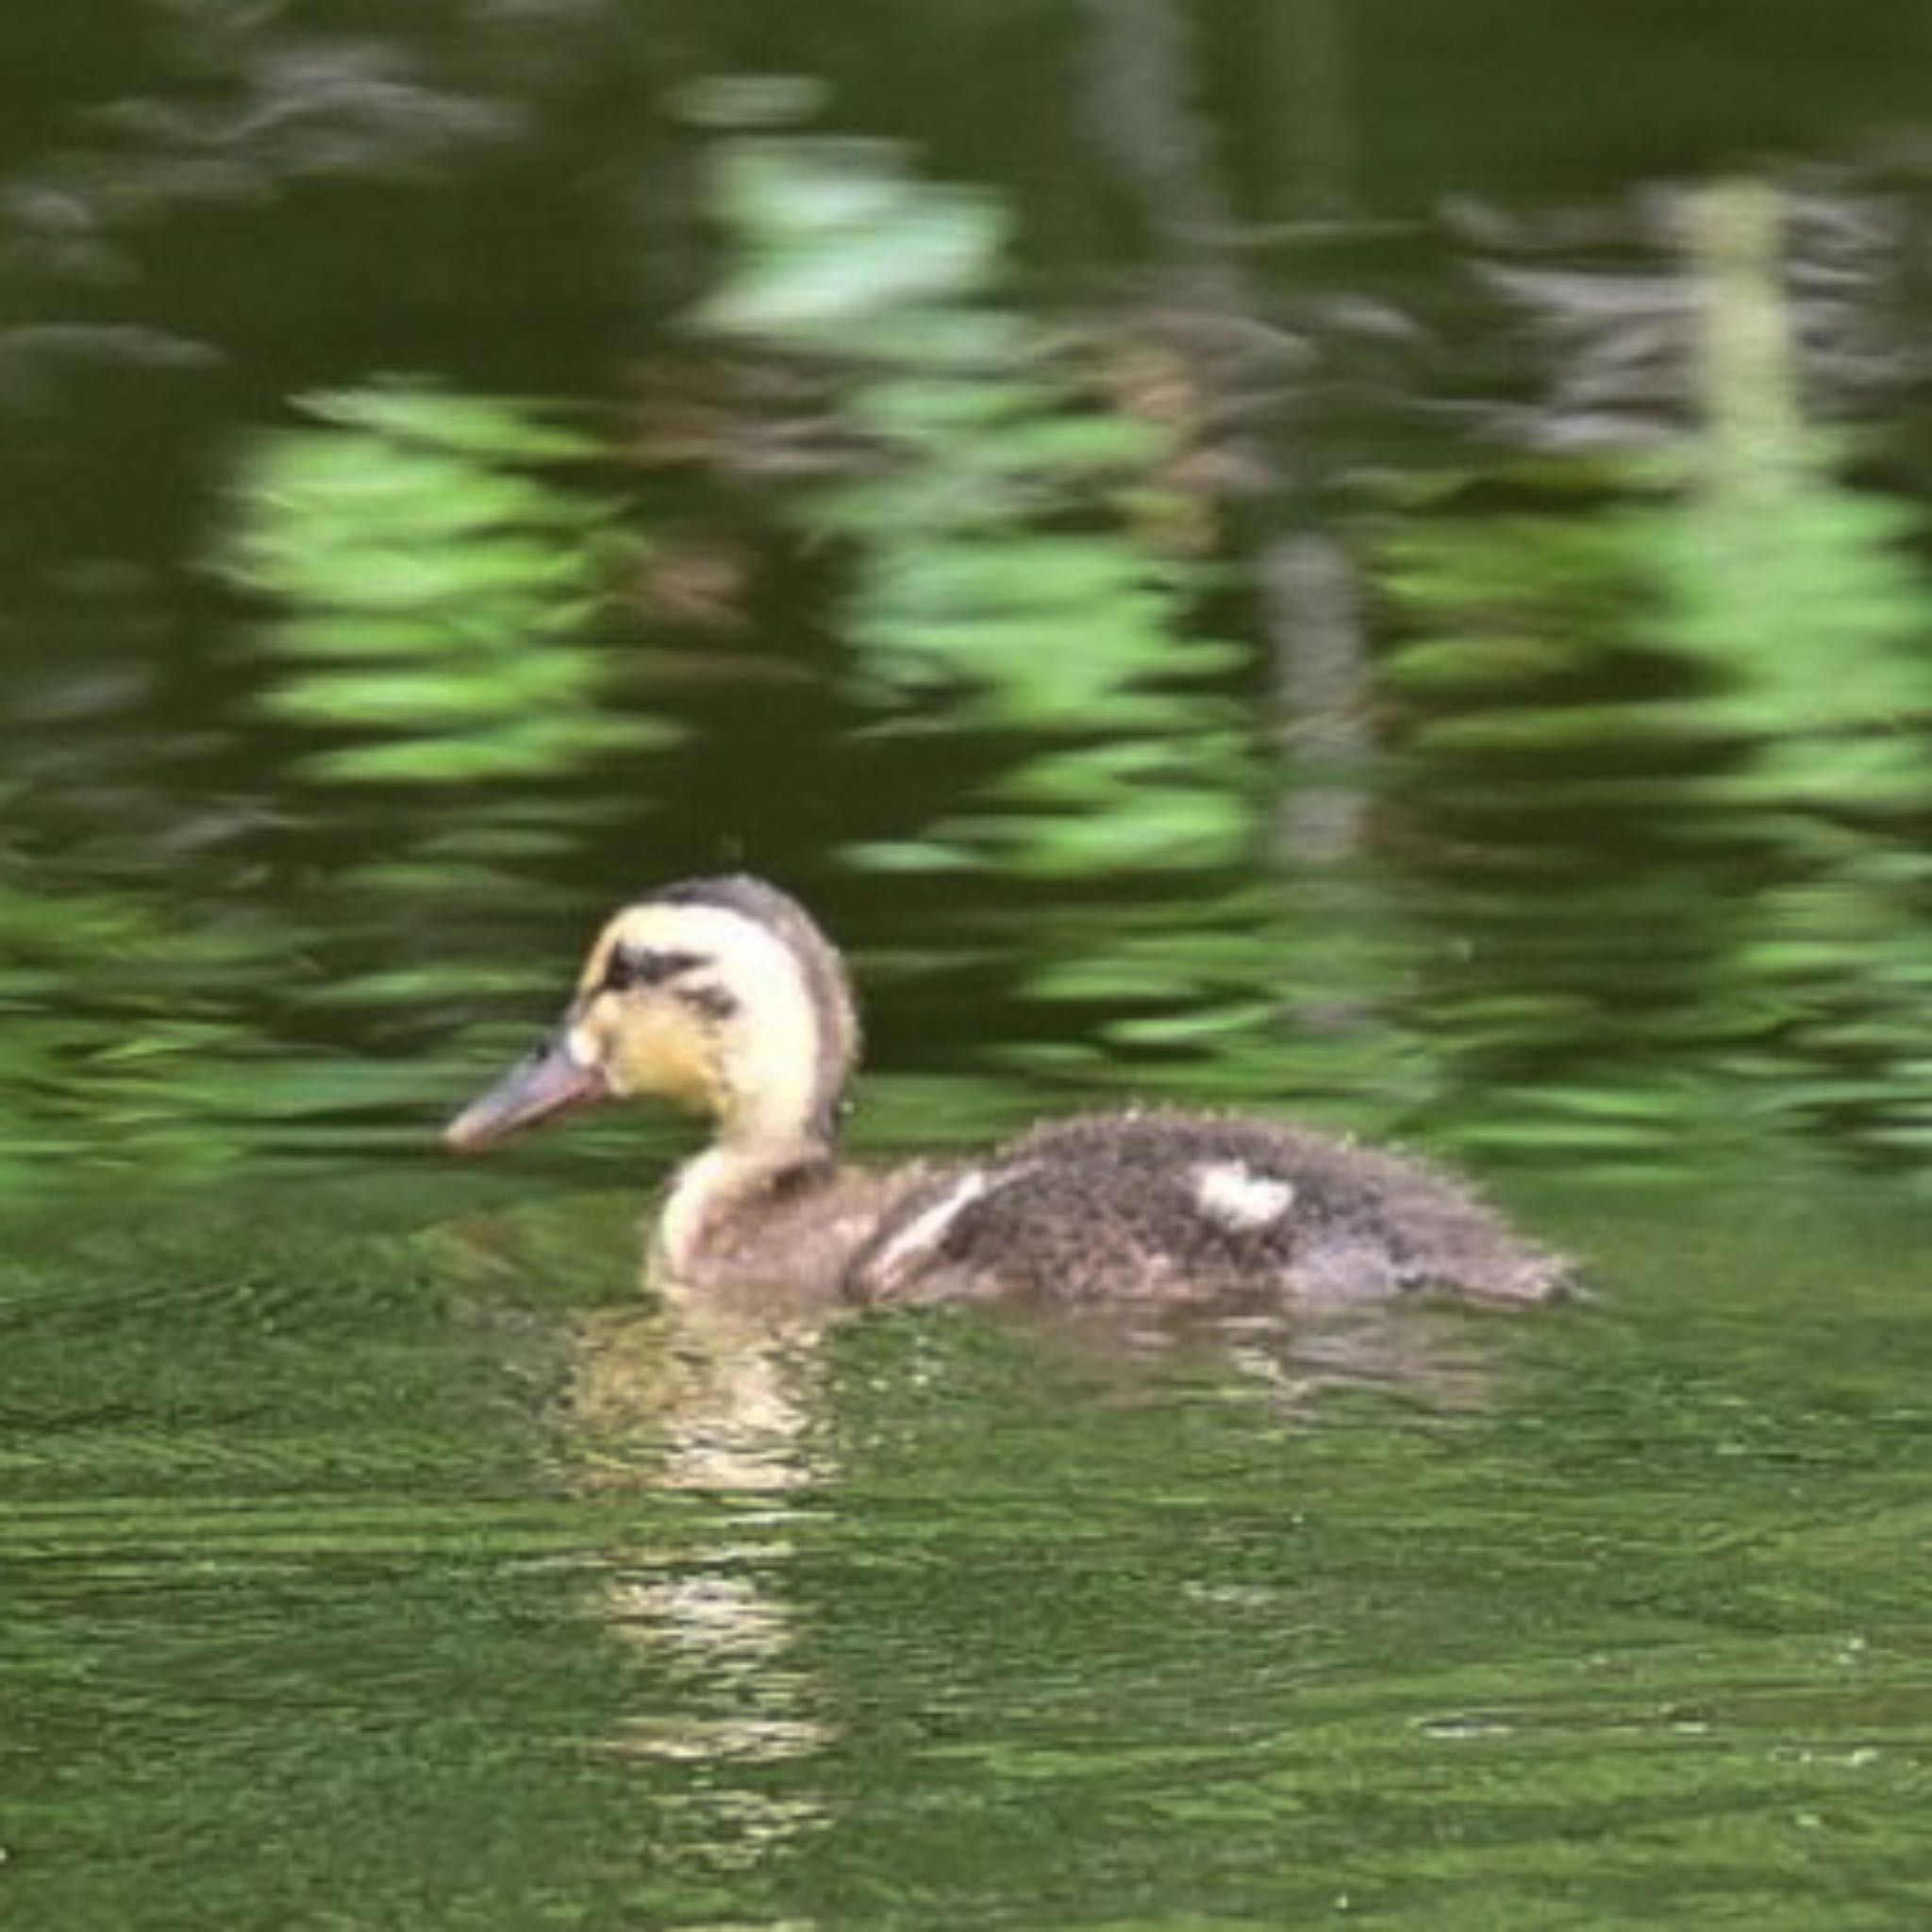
(1357, 563)
(418, 1576)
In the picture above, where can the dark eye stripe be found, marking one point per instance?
(631, 966)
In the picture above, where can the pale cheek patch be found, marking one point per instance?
(756, 1057)
(1238, 1197)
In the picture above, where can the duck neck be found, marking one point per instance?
(776, 1100)
(778, 1086)
(728, 1175)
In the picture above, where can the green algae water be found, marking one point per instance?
(368, 1571)
(1306, 560)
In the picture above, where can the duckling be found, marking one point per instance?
(724, 996)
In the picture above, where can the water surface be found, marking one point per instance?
(1328, 562)
(403, 1576)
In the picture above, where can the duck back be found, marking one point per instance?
(1176, 1208)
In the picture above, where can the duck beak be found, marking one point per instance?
(550, 1083)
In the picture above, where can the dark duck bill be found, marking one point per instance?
(550, 1083)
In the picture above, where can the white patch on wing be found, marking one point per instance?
(1236, 1195)
(924, 1230)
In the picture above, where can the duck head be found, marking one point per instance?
(720, 996)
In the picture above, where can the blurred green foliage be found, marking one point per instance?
(429, 669)
(440, 645)
(1641, 801)
(439, 589)
(117, 1034)
(997, 568)
(1669, 745)
(1006, 520)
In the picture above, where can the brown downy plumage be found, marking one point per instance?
(722, 995)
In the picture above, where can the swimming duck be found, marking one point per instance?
(722, 995)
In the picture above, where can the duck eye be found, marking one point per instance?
(634, 966)
(712, 1002)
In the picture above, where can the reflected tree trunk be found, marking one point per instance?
(1303, 44)
(1141, 117)
(1321, 691)
(1144, 116)
(1754, 428)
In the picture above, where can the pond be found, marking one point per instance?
(1332, 564)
